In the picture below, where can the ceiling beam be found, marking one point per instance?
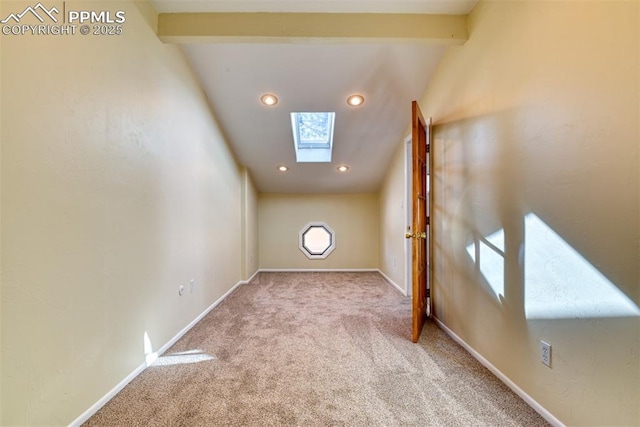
(304, 27)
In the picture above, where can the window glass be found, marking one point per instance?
(317, 240)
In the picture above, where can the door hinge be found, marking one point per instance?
(428, 148)
(428, 220)
(428, 293)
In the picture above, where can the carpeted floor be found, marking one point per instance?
(315, 349)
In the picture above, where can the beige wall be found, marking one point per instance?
(353, 217)
(117, 188)
(538, 113)
(249, 226)
(393, 220)
(1, 233)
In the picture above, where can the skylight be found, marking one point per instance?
(313, 136)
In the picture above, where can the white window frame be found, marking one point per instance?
(306, 251)
(313, 152)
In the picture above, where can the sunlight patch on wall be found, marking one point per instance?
(150, 356)
(561, 284)
(489, 254)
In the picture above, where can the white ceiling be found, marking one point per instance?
(313, 76)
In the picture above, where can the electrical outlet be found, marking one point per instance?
(192, 285)
(181, 290)
(545, 353)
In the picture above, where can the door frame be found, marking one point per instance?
(408, 215)
(430, 224)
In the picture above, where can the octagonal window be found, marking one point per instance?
(317, 240)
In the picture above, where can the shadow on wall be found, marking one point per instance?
(488, 168)
(559, 283)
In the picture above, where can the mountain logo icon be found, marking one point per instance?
(38, 11)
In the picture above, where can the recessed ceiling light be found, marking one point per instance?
(283, 168)
(343, 168)
(355, 100)
(269, 99)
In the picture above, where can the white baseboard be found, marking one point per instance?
(253, 276)
(186, 329)
(392, 283)
(513, 386)
(333, 270)
(107, 397)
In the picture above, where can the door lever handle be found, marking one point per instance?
(422, 235)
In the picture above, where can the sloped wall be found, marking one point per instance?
(537, 181)
(117, 188)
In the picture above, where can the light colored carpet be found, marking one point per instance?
(315, 349)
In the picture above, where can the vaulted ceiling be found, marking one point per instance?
(312, 59)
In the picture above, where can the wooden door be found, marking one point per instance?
(421, 219)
